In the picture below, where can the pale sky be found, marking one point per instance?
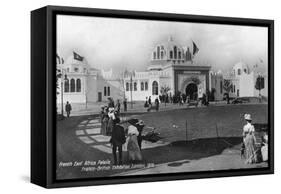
(126, 43)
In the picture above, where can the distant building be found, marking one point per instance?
(242, 81)
(171, 66)
(84, 83)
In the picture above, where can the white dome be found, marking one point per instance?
(171, 52)
(240, 68)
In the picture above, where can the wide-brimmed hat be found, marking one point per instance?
(247, 117)
(111, 109)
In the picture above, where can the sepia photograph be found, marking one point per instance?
(145, 97)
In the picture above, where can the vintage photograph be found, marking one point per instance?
(139, 97)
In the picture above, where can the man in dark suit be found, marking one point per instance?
(157, 104)
(68, 108)
(117, 140)
(125, 105)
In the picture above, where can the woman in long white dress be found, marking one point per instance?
(264, 148)
(249, 140)
(134, 153)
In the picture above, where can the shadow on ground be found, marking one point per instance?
(70, 148)
(190, 150)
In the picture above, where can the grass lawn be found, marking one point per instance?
(201, 125)
(202, 122)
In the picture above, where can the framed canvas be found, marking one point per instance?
(126, 96)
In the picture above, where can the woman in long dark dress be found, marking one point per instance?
(140, 126)
(104, 121)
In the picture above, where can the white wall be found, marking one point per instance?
(15, 98)
(216, 84)
(246, 85)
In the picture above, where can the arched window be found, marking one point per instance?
(239, 72)
(104, 91)
(171, 54)
(158, 52)
(72, 85)
(108, 91)
(146, 86)
(162, 54)
(155, 88)
(175, 52)
(188, 54)
(135, 86)
(179, 55)
(142, 86)
(245, 70)
(154, 55)
(78, 85)
(66, 86)
(127, 86)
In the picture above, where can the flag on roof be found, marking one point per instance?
(195, 48)
(77, 56)
(58, 59)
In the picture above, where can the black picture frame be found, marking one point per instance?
(43, 103)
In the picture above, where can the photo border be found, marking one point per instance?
(53, 11)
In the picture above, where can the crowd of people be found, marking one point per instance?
(110, 126)
(148, 104)
(181, 98)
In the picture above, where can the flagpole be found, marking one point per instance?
(62, 81)
(86, 92)
(131, 88)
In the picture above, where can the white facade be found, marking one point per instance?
(243, 81)
(171, 66)
(75, 81)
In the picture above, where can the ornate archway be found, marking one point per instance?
(191, 90)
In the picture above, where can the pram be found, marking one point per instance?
(151, 135)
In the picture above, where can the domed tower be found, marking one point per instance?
(76, 64)
(80, 80)
(240, 68)
(170, 52)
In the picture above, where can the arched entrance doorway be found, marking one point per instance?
(191, 90)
